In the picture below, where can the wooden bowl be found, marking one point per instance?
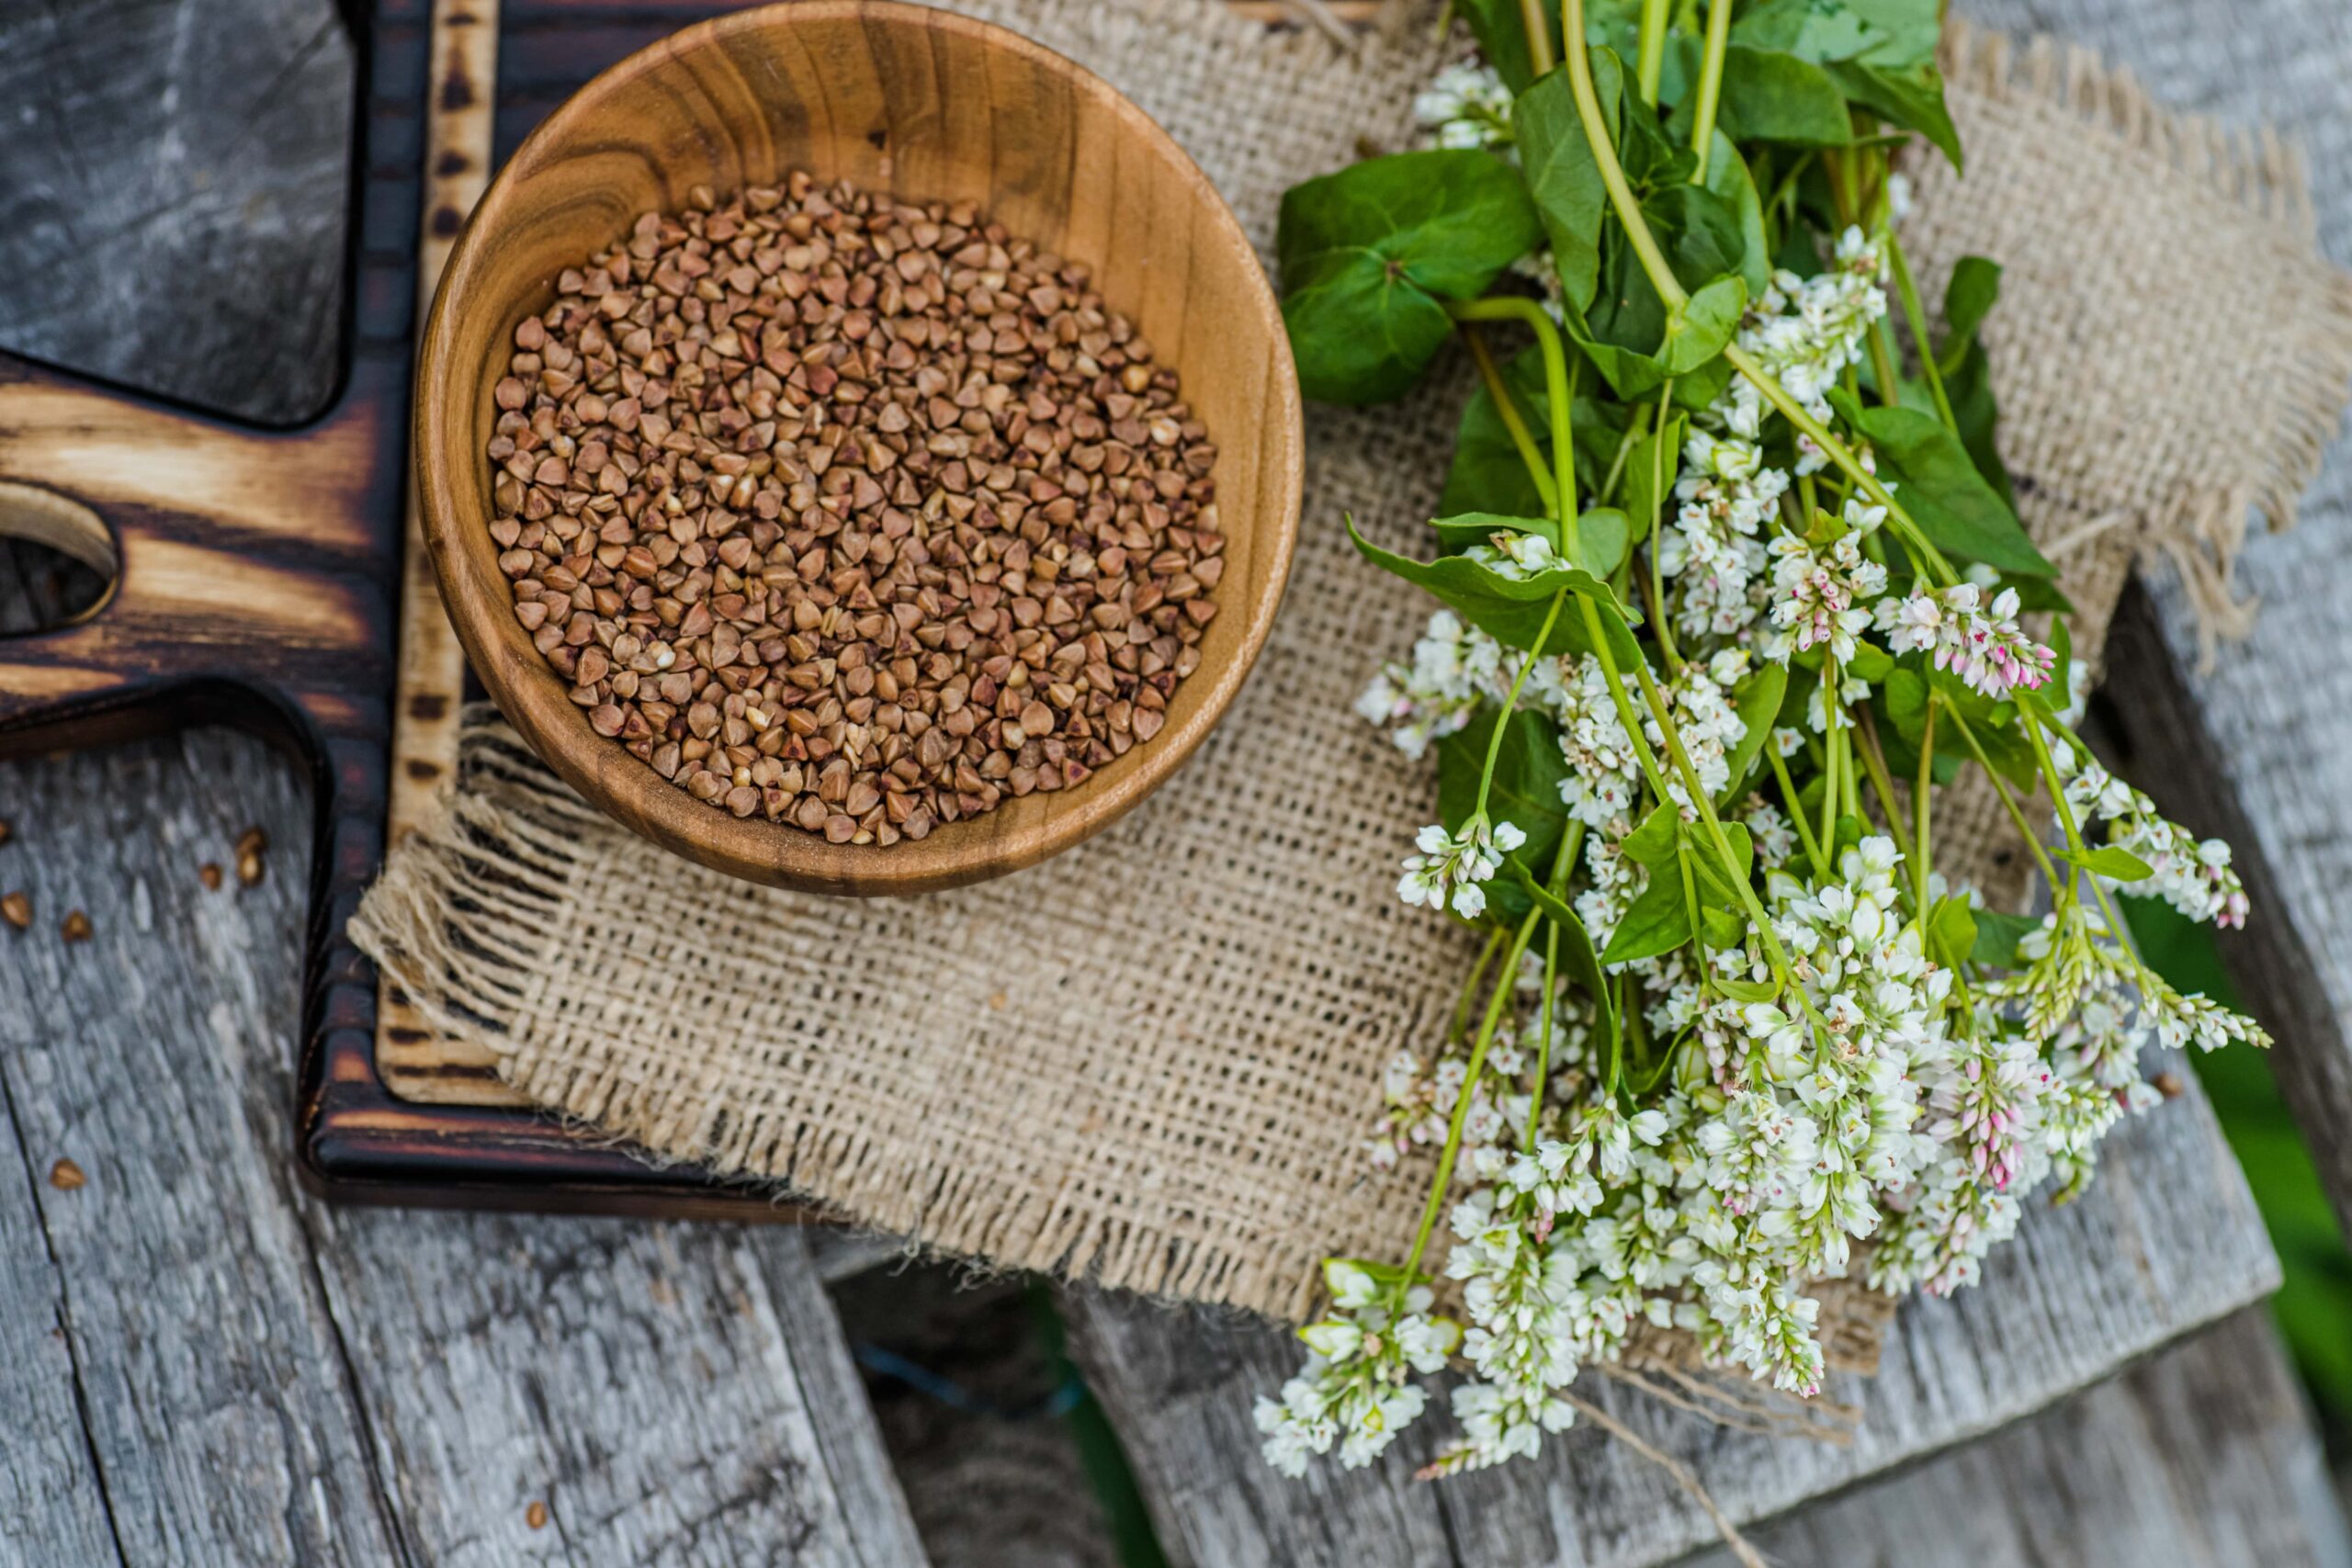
(926, 105)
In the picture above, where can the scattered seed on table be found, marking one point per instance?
(66, 1177)
(857, 516)
(2169, 1084)
(17, 909)
(7, 831)
(536, 1515)
(210, 874)
(76, 927)
(250, 845)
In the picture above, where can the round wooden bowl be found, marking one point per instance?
(927, 106)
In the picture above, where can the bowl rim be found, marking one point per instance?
(624, 788)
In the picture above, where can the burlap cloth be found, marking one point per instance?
(1152, 1060)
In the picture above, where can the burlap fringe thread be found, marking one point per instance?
(2199, 531)
(471, 914)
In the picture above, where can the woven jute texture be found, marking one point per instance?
(1151, 1061)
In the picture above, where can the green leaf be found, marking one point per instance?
(1905, 694)
(1940, 487)
(1951, 931)
(1600, 544)
(1659, 918)
(1369, 253)
(1525, 791)
(1488, 473)
(2110, 861)
(1810, 30)
(1657, 922)
(1746, 990)
(1720, 927)
(1513, 609)
(1464, 529)
(1501, 31)
(1729, 177)
(1652, 842)
(1969, 297)
(1968, 388)
(1693, 336)
(1715, 888)
(1758, 706)
(1998, 935)
(1576, 956)
(1650, 470)
(1603, 535)
(1912, 97)
(1771, 94)
(1556, 158)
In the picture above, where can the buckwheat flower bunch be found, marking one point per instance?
(1729, 592)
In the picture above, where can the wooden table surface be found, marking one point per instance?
(201, 1364)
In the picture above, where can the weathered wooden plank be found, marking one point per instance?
(153, 145)
(2166, 1240)
(666, 1394)
(2200, 1457)
(52, 1508)
(155, 1054)
(670, 1393)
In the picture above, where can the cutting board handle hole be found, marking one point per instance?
(58, 560)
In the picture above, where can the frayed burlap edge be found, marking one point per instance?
(2264, 174)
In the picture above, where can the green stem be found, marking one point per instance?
(1920, 796)
(2008, 801)
(1657, 620)
(1511, 705)
(1832, 791)
(1470, 989)
(1507, 410)
(1838, 453)
(1561, 863)
(1916, 315)
(1874, 762)
(1604, 155)
(1711, 87)
(1444, 1178)
(1797, 812)
(1890, 381)
(1556, 389)
(1539, 35)
(1707, 818)
(1651, 57)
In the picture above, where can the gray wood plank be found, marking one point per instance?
(157, 1055)
(273, 1381)
(2259, 747)
(669, 1393)
(52, 1508)
(172, 194)
(2200, 1457)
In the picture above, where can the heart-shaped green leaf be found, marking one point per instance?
(1369, 256)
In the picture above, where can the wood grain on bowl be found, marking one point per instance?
(928, 107)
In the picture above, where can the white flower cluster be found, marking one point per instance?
(1453, 668)
(1805, 331)
(2191, 874)
(1450, 866)
(1465, 105)
(1728, 496)
(1356, 1389)
(1979, 642)
(1821, 592)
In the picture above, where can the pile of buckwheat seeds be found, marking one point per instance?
(857, 516)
